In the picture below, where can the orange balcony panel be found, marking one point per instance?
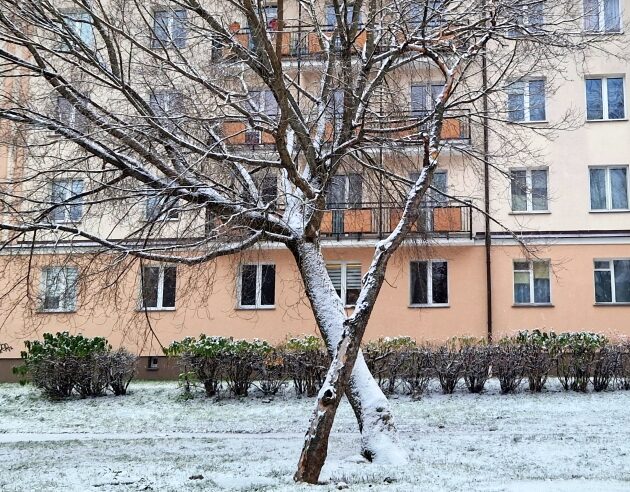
(447, 219)
(359, 42)
(326, 226)
(452, 128)
(313, 43)
(357, 220)
(243, 39)
(267, 138)
(234, 132)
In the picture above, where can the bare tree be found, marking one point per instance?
(185, 109)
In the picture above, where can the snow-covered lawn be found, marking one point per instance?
(153, 440)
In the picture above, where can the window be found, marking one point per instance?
(169, 28)
(166, 104)
(59, 289)
(257, 286)
(526, 101)
(158, 284)
(331, 16)
(609, 188)
(152, 364)
(424, 97)
(531, 282)
(161, 208)
(68, 115)
(435, 12)
(270, 16)
(345, 191)
(429, 283)
(434, 198)
(269, 190)
(529, 190)
(612, 281)
(80, 23)
(346, 279)
(605, 98)
(263, 102)
(528, 18)
(62, 191)
(602, 16)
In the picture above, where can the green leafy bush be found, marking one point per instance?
(306, 361)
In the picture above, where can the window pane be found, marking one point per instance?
(70, 288)
(334, 272)
(619, 187)
(537, 100)
(355, 190)
(76, 209)
(248, 285)
(612, 20)
(439, 183)
(269, 189)
(419, 98)
(179, 28)
(602, 265)
(335, 197)
(542, 283)
(521, 287)
(52, 291)
(353, 283)
(594, 102)
(170, 286)
(160, 28)
(603, 290)
(268, 285)
(615, 98)
(419, 282)
(440, 284)
(539, 189)
(591, 15)
(622, 280)
(150, 279)
(536, 17)
(516, 102)
(519, 190)
(598, 189)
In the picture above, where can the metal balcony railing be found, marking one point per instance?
(451, 218)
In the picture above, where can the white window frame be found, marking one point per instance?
(344, 278)
(169, 28)
(66, 304)
(529, 191)
(164, 216)
(604, 79)
(532, 295)
(527, 116)
(430, 302)
(611, 269)
(66, 209)
(76, 20)
(160, 291)
(608, 188)
(258, 304)
(601, 28)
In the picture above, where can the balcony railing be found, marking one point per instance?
(435, 219)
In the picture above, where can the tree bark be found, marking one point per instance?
(379, 439)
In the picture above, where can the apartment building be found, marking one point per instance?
(498, 246)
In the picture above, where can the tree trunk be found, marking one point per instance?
(379, 440)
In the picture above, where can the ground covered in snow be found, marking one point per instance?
(152, 439)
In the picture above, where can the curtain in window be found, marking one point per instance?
(622, 280)
(615, 98)
(542, 284)
(539, 189)
(537, 100)
(598, 188)
(419, 291)
(594, 102)
(519, 190)
(619, 187)
(591, 15)
(516, 101)
(612, 19)
(521, 288)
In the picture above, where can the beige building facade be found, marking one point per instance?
(556, 255)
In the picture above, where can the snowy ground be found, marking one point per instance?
(153, 440)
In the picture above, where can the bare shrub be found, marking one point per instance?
(272, 372)
(417, 370)
(623, 370)
(448, 365)
(606, 362)
(121, 367)
(92, 376)
(508, 359)
(307, 362)
(538, 357)
(476, 360)
(386, 358)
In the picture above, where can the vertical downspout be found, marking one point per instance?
(486, 182)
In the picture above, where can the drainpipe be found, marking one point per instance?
(486, 182)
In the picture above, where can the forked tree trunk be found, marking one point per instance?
(379, 440)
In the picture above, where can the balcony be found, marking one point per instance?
(447, 219)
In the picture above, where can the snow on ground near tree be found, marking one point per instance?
(153, 440)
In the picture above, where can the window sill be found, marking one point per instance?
(255, 308)
(67, 222)
(534, 305)
(606, 120)
(530, 212)
(154, 309)
(612, 304)
(56, 311)
(529, 122)
(610, 211)
(421, 306)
